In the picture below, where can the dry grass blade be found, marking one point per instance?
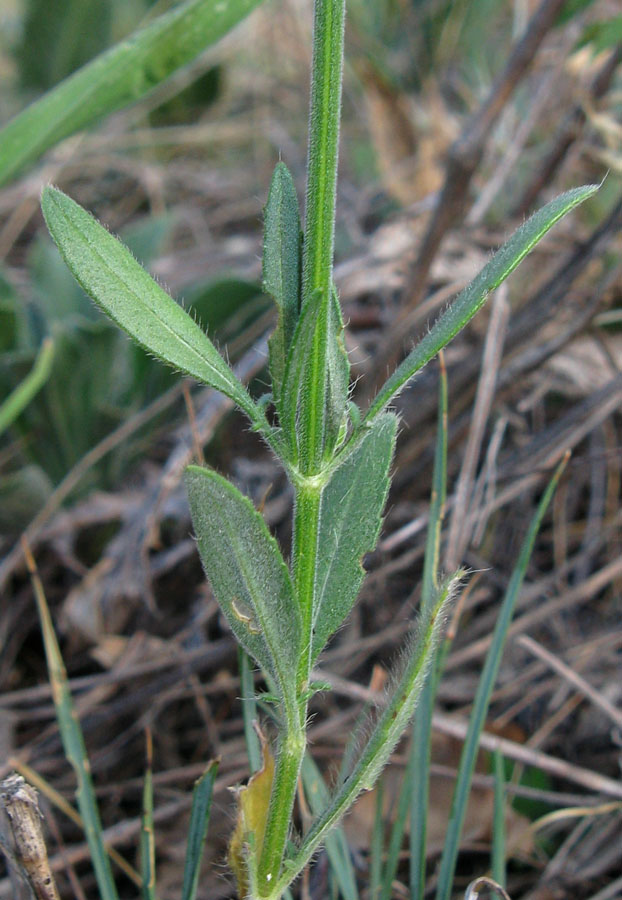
(73, 740)
(147, 835)
(58, 801)
(573, 678)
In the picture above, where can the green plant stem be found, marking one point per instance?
(290, 753)
(304, 564)
(292, 744)
(326, 77)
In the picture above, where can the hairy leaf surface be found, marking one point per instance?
(473, 297)
(350, 519)
(119, 285)
(248, 576)
(282, 251)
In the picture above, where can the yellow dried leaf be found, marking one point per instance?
(253, 803)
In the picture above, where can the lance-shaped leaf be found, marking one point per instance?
(248, 576)
(350, 519)
(388, 728)
(282, 251)
(315, 385)
(108, 272)
(473, 297)
(116, 78)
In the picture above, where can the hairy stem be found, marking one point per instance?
(292, 745)
(326, 75)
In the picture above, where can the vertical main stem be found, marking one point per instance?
(304, 560)
(292, 744)
(326, 77)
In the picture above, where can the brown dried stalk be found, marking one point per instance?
(29, 853)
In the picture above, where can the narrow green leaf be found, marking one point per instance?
(498, 826)
(376, 850)
(282, 250)
(108, 272)
(473, 297)
(248, 576)
(73, 743)
(337, 849)
(315, 384)
(350, 518)
(147, 835)
(482, 697)
(398, 830)
(419, 788)
(32, 383)
(602, 35)
(117, 78)
(197, 832)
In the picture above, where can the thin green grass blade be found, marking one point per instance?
(73, 741)
(498, 825)
(376, 850)
(32, 383)
(197, 832)
(249, 711)
(317, 797)
(413, 798)
(117, 78)
(120, 286)
(483, 694)
(147, 834)
(422, 723)
(473, 297)
(399, 826)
